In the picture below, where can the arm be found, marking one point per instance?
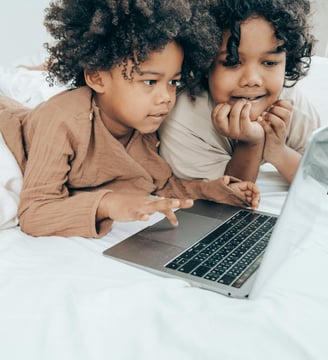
(46, 206)
(226, 189)
(63, 195)
(245, 161)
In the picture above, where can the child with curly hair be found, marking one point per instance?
(247, 111)
(90, 154)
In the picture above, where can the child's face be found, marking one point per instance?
(259, 75)
(143, 102)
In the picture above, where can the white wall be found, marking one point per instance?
(320, 26)
(22, 32)
(21, 29)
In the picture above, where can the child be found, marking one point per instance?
(244, 118)
(89, 154)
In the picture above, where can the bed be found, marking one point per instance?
(61, 298)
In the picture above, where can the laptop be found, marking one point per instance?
(228, 249)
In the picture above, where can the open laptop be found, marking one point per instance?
(220, 247)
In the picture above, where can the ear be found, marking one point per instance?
(95, 81)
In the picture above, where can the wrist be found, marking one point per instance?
(278, 157)
(251, 142)
(102, 210)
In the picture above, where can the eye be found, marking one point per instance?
(230, 64)
(150, 82)
(270, 63)
(175, 82)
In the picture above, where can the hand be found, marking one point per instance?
(247, 192)
(275, 122)
(130, 207)
(230, 190)
(234, 121)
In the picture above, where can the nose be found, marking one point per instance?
(251, 76)
(165, 95)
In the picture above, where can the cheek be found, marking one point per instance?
(275, 84)
(219, 86)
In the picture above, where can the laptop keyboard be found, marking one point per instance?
(231, 253)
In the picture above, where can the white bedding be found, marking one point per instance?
(60, 298)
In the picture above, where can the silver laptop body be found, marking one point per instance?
(203, 248)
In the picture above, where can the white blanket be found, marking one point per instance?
(61, 299)
(10, 186)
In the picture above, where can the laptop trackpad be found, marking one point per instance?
(192, 227)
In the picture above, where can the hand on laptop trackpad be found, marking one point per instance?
(185, 233)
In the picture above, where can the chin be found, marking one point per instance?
(254, 117)
(255, 113)
(149, 131)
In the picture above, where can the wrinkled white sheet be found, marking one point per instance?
(11, 181)
(25, 86)
(60, 298)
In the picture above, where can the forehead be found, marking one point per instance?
(172, 52)
(255, 29)
(166, 62)
(257, 24)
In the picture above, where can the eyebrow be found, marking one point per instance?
(149, 72)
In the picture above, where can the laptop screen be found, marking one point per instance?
(306, 204)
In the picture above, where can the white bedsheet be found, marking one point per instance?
(11, 181)
(60, 298)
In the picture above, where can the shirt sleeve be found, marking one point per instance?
(46, 205)
(305, 119)
(190, 143)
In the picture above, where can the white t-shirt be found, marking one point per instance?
(194, 149)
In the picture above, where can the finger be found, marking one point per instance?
(220, 118)
(254, 202)
(254, 196)
(165, 204)
(166, 207)
(276, 124)
(142, 216)
(162, 205)
(266, 125)
(221, 109)
(171, 218)
(186, 203)
(284, 104)
(234, 117)
(226, 179)
(251, 194)
(281, 113)
(245, 117)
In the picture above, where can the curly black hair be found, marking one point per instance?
(95, 35)
(290, 19)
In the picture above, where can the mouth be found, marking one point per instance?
(250, 98)
(158, 115)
